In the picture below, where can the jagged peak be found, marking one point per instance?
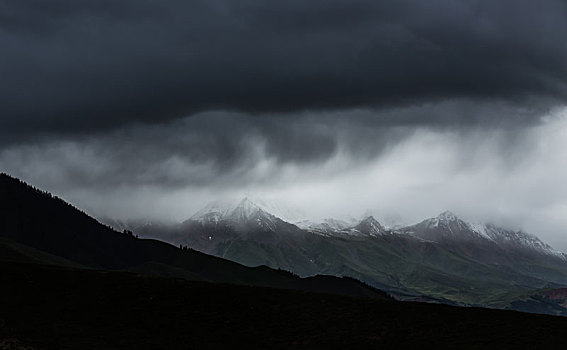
(370, 225)
(245, 212)
(222, 209)
(445, 219)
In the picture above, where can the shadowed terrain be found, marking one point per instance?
(63, 308)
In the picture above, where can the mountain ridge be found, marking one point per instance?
(470, 272)
(448, 226)
(369, 225)
(442, 258)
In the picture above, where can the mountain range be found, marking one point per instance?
(442, 259)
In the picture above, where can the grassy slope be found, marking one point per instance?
(401, 266)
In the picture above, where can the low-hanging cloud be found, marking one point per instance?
(505, 174)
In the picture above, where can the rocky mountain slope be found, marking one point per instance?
(444, 259)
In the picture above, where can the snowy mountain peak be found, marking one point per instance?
(446, 219)
(212, 213)
(370, 226)
(245, 215)
(520, 239)
(447, 226)
(245, 210)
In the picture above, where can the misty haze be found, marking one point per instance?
(360, 160)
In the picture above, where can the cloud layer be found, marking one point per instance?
(147, 108)
(92, 64)
(512, 176)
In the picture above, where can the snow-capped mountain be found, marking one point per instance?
(277, 209)
(448, 227)
(212, 213)
(248, 215)
(245, 215)
(445, 226)
(444, 253)
(371, 227)
(517, 239)
(220, 209)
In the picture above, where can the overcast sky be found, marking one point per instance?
(150, 109)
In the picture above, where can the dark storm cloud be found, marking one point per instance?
(85, 65)
(212, 149)
(207, 149)
(220, 150)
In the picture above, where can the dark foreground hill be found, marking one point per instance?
(47, 307)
